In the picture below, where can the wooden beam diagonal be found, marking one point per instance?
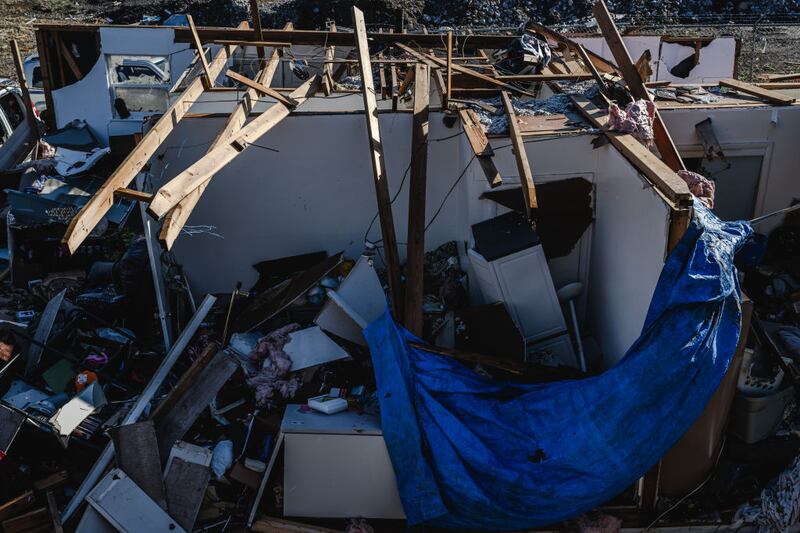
(203, 170)
(98, 205)
(178, 216)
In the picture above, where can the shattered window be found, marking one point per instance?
(140, 84)
(12, 110)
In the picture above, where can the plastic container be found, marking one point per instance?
(754, 418)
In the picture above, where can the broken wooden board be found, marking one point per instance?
(125, 506)
(532, 125)
(772, 97)
(185, 483)
(142, 401)
(98, 205)
(416, 203)
(269, 524)
(32, 520)
(17, 506)
(263, 89)
(635, 84)
(171, 425)
(136, 452)
(521, 156)
(204, 169)
(480, 145)
(665, 180)
(378, 160)
(201, 53)
(179, 215)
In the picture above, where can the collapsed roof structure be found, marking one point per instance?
(256, 153)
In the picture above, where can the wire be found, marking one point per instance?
(693, 491)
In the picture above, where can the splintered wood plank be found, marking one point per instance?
(415, 258)
(255, 14)
(442, 63)
(263, 89)
(590, 66)
(178, 216)
(171, 425)
(327, 70)
(133, 194)
(378, 162)
(28, 521)
(480, 145)
(204, 169)
(98, 205)
(666, 180)
(201, 52)
(449, 90)
(523, 165)
(754, 90)
(268, 524)
(635, 84)
(17, 505)
(136, 451)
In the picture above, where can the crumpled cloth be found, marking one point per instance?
(358, 525)
(780, 504)
(636, 119)
(273, 378)
(699, 186)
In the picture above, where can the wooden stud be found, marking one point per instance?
(395, 91)
(255, 14)
(257, 44)
(98, 205)
(378, 164)
(666, 181)
(523, 165)
(204, 169)
(47, 78)
(635, 84)
(33, 520)
(753, 90)
(179, 215)
(23, 85)
(201, 53)
(52, 481)
(133, 194)
(588, 65)
(67, 55)
(263, 89)
(17, 505)
(415, 258)
(329, 85)
(449, 93)
(480, 145)
(52, 508)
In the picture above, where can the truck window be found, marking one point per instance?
(139, 85)
(12, 110)
(37, 82)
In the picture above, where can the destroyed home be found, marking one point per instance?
(339, 280)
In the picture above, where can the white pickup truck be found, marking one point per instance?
(14, 127)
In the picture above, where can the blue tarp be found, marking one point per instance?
(470, 452)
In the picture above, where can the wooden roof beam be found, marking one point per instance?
(378, 164)
(203, 170)
(178, 216)
(523, 165)
(98, 205)
(480, 145)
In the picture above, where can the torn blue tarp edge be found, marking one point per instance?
(612, 427)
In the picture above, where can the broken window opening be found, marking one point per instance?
(139, 85)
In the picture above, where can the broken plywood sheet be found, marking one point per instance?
(358, 301)
(186, 484)
(136, 450)
(311, 347)
(126, 507)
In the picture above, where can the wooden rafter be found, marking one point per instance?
(201, 53)
(255, 14)
(178, 216)
(261, 88)
(203, 170)
(328, 83)
(523, 165)
(753, 90)
(480, 145)
(415, 258)
(378, 163)
(98, 205)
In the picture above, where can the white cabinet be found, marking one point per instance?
(522, 281)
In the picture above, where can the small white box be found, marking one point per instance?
(327, 404)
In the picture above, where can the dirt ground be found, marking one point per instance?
(764, 48)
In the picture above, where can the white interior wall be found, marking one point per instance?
(717, 59)
(628, 249)
(767, 131)
(90, 98)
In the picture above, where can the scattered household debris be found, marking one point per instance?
(126, 405)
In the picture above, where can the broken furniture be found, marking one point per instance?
(510, 266)
(337, 466)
